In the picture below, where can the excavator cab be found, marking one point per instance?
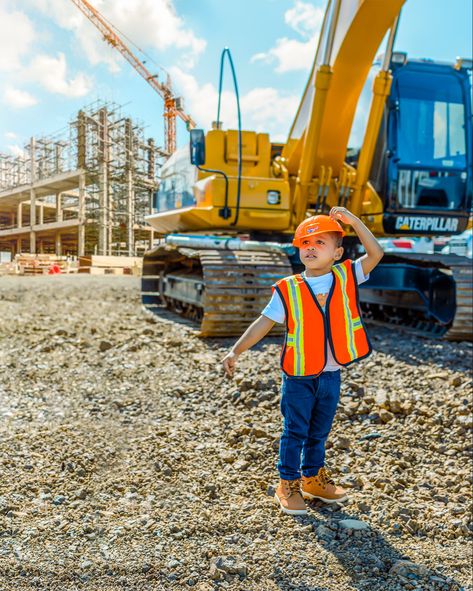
(422, 172)
(422, 164)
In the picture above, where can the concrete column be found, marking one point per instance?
(58, 207)
(32, 196)
(104, 220)
(58, 243)
(110, 220)
(40, 247)
(81, 228)
(18, 245)
(32, 221)
(19, 216)
(130, 198)
(41, 213)
(32, 150)
(130, 193)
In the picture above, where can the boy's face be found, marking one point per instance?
(320, 251)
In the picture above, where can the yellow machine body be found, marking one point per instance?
(281, 184)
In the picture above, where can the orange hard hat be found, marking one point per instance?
(317, 224)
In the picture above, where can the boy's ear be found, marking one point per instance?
(339, 253)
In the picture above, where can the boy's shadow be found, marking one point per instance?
(366, 556)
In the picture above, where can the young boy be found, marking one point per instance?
(324, 332)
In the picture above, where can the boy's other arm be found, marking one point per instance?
(374, 251)
(252, 335)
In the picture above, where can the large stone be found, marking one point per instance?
(385, 415)
(456, 381)
(227, 568)
(324, 533)
(342, 442)
(353, 524)
(404, 568)
(105, 346)
(382, 399)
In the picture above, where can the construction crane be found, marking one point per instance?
(173, 106)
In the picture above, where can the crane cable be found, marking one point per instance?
(137, 47)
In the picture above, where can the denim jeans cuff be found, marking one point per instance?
(311, 472)
(289, 476)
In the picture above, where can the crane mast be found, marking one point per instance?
(171, 106)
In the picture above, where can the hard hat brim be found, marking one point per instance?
(299, 239)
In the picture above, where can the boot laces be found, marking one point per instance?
(294, 487)
(325, 477)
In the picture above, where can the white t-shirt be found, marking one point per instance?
(320, 286)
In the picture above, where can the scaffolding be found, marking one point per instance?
(82, 191)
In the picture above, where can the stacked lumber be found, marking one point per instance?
(40, 264)
(110, 265)
(8, 268)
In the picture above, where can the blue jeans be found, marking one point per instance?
(308, 406)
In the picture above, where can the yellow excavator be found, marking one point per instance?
(227, 209)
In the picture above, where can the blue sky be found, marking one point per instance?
(53, 61)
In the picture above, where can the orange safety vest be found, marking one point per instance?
(307, 326)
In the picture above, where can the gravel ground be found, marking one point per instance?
(128, 461)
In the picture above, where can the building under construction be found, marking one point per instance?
(85, 192)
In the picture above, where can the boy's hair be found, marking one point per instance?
(338, 239)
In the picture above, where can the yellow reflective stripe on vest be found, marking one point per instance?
(295, 302)
(341, 273)
(357, 323)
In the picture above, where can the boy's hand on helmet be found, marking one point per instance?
(229, 363)
(341, 214)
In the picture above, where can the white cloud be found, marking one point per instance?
(289, 54)
(18, 99)
(16, 37)
(267, 110)
(149, 23)
(17, 150)
(304, 18)
(51, 73)
(10, 135)
(294, 54)
(262, 109)
(201, 99)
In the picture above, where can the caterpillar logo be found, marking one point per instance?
(426, 224)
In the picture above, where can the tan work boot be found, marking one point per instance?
(322, 487)
(288, 495)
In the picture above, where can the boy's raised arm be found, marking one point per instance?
(253, 334)
(374, 251)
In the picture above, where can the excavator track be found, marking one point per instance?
(224, 290)
(459, 299)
